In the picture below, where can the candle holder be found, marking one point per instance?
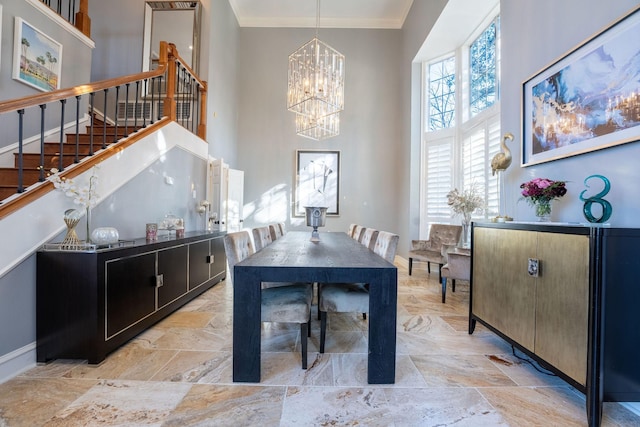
(316, 217)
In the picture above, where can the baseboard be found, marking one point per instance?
(18, 361)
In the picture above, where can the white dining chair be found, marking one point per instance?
(281, 304)
(352, 297)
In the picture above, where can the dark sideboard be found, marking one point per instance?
(88, 303)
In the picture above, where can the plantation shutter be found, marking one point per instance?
(439, 178)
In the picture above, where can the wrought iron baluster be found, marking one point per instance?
(104, 120)
(126, 111)
(92, 97)
(43, 107)
(77, 158)
(63, 103)
(20, 142)
(115, 136)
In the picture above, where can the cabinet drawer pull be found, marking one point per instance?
(533, 268)
(159, 280)
(210, 259)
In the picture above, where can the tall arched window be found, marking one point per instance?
(461, 124)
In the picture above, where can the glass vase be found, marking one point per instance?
(88, 218)
(543, 210)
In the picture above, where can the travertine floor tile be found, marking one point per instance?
(179, 373)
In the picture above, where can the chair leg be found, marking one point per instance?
(410, 265)
(440, 272)
(428, 267)
(364, 316)
(453, 285)
(323, 329)
(444, 288)
(304, 331)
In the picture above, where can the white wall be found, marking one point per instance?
(535, 34)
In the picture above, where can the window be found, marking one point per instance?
(442, 94)
(461, 128)
(483, 66)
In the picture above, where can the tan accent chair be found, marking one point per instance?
(458, 267)
(441, 238)
(352, 297)
(352, 228)
(282, 304)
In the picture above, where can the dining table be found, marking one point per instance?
(335, 258)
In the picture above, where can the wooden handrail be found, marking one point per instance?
(167, 66)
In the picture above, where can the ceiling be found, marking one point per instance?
(333, 13)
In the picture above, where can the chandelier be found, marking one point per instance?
(316, 87)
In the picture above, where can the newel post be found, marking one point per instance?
(202, 125)
(83, 22)
(169, 52)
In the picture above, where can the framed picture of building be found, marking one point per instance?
(317, 181)
(37, 58)
(587, 100)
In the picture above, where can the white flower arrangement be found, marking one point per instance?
(85, 196)
(466, 202)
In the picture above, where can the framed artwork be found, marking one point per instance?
(587, 100)
(317, 181)
(37, 58)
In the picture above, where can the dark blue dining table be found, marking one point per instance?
(336, 258)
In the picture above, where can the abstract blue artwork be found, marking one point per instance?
(587, 100)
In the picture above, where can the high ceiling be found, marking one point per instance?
(333, 13)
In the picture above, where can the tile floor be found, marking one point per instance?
(178, 373)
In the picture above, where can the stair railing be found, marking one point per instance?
(170, 92)
(76, 12)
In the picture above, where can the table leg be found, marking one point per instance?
(383, 299)
(246, 326)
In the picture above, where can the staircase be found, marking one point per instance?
(31, 161)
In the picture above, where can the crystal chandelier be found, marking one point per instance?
(316, 87)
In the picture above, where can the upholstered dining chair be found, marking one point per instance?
(275, 231)
(283, 231)
(352, 228)
(352, 297)
(358, 232)
(261, 237)
(282, 304)
(441, 238)
(369, 237)
(458, 267)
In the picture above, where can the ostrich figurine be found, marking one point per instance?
(500, 162)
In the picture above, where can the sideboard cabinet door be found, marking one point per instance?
(503, 292)
(562, 303)
(130, 291)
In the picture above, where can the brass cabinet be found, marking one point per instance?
(546, 311)
(565, 295)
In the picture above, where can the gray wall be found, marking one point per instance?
(146, 198)
(370, 139)
(76, 60)
(535, 34)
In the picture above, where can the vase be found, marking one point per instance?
(543, 210)
(466, 231)
(88, 218)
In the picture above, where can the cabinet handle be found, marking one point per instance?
(533, 267)
(210, 259)
(159, 280)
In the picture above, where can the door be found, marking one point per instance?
(172, 265)
(503, 291)
(235, 200)
(562, 309)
